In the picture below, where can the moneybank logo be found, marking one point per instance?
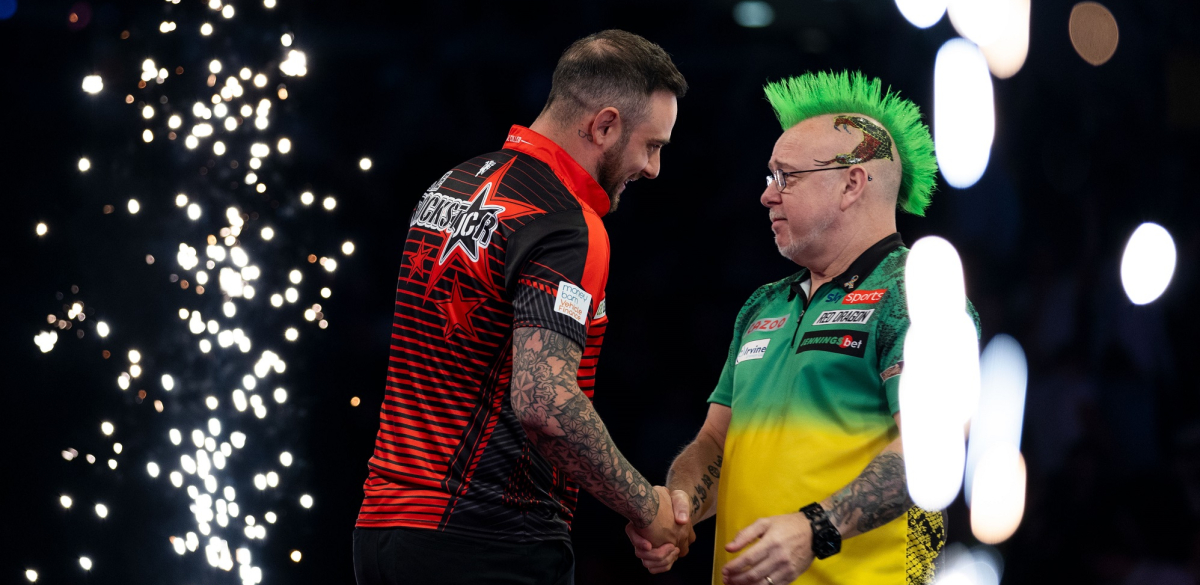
(755, 350)
(843, 341)
(768, 324)
(469, 225)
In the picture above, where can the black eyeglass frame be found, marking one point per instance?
(779, 178)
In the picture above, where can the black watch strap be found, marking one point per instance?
(826, 540)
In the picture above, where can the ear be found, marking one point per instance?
(854, 186)
(606, 126)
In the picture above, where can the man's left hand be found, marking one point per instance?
(783, 551)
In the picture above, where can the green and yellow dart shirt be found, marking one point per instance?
(813, 386)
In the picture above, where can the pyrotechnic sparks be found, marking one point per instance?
(212, 424)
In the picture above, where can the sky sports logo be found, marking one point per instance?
(843, 341)
(864, 297)
(768, 324)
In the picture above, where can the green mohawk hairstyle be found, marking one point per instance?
(816, 94)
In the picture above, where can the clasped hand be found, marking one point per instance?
(666, 539)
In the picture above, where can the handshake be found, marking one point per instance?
(667, 538)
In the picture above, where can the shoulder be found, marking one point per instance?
(768, 294)
(888, 283)
(535, 180)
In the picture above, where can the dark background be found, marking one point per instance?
(1082, 155)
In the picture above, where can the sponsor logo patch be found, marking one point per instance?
(768, 324)
(843, 317)
(438, 183)
(572, 301)
(863, 297)
(843, 341)
(755, 350)
(602, 310)
(833, 297)
(892, 372)
(483, 169)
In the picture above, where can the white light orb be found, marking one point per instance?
(964, 117)
(1148, 263)
(93, 84)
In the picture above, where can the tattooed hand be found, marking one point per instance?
(567, 431)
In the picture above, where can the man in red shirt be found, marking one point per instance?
(487, 430)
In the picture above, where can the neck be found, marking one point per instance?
(570, 141)
(844, 250)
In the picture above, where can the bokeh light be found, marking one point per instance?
(998, 501)
(92, 84)
(1094, 33)
(1006, 53)
(964, 118)
(753, 14)
(922, 13)
(1148, 263)
(939, 389)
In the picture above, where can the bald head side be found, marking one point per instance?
(818, 143)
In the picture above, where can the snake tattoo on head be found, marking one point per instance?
(875, 142)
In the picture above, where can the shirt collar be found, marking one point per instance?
(578, 181)
(860, 269)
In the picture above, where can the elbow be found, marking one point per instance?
(531, 417)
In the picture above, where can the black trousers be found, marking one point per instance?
(395, 556)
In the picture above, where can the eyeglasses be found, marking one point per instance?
(779, 178)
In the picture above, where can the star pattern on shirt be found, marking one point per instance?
(416, 259)
(458, 311)
(473, 226)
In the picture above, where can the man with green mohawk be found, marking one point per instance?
(802, 439)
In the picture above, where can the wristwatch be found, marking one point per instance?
(826, 540)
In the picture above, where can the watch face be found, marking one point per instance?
(826, 543)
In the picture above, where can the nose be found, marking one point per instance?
(653, 165)
(770, 197)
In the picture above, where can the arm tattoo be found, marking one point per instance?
(879, 494)
(701, 491)
(564, 427)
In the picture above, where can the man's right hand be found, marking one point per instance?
(667, 539)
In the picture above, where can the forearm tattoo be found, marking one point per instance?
(879, 494)
(702, 490)
(564, 427)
